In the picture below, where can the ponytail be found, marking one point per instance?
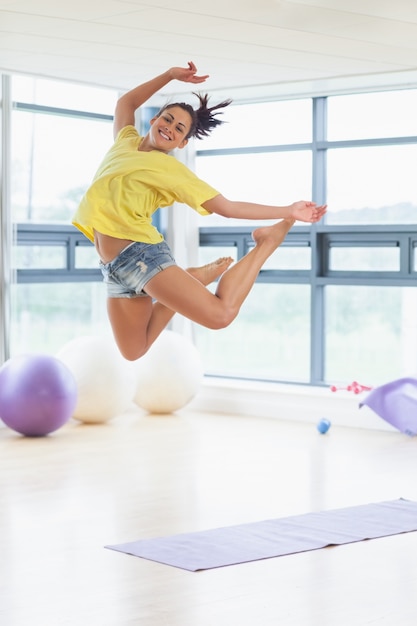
(206, 118)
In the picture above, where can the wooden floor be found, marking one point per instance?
(63, 497)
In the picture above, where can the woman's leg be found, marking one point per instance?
(175, 289)
(137, 322)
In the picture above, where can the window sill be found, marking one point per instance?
(285, 402)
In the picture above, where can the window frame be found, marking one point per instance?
(321, 237)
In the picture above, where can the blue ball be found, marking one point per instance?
(323, 426)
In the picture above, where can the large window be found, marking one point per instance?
(55, 150)
(59, 133)
(337, 302)
(268, 178)
(372, 115)
(270, 340)
(372, 185)
(371, 332)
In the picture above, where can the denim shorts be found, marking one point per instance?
(127, 274)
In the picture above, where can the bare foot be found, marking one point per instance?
(206, 274)
(272, 235)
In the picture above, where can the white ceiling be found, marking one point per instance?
(250, 48)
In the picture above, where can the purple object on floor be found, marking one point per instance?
(277, 537)
(38, 394)
(396, 403)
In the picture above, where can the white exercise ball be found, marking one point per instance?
(104, 378)
(169, 374)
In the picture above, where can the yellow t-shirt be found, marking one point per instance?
(131, 185)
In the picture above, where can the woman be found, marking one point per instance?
(137, 176)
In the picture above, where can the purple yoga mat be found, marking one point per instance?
(396, 403)
(278, 537)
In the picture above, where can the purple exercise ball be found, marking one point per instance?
(38, 394)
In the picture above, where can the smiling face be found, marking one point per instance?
(168, 130)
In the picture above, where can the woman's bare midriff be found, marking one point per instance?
(109, 247)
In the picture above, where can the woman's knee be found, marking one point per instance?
(131, 351)
(222, 318)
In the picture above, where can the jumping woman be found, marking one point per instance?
(137, 176)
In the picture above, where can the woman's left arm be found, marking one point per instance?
(304, 211)
(127, 104)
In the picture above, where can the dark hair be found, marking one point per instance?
(203, 119)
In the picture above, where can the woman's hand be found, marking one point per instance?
(187, 74)
(307, 211)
